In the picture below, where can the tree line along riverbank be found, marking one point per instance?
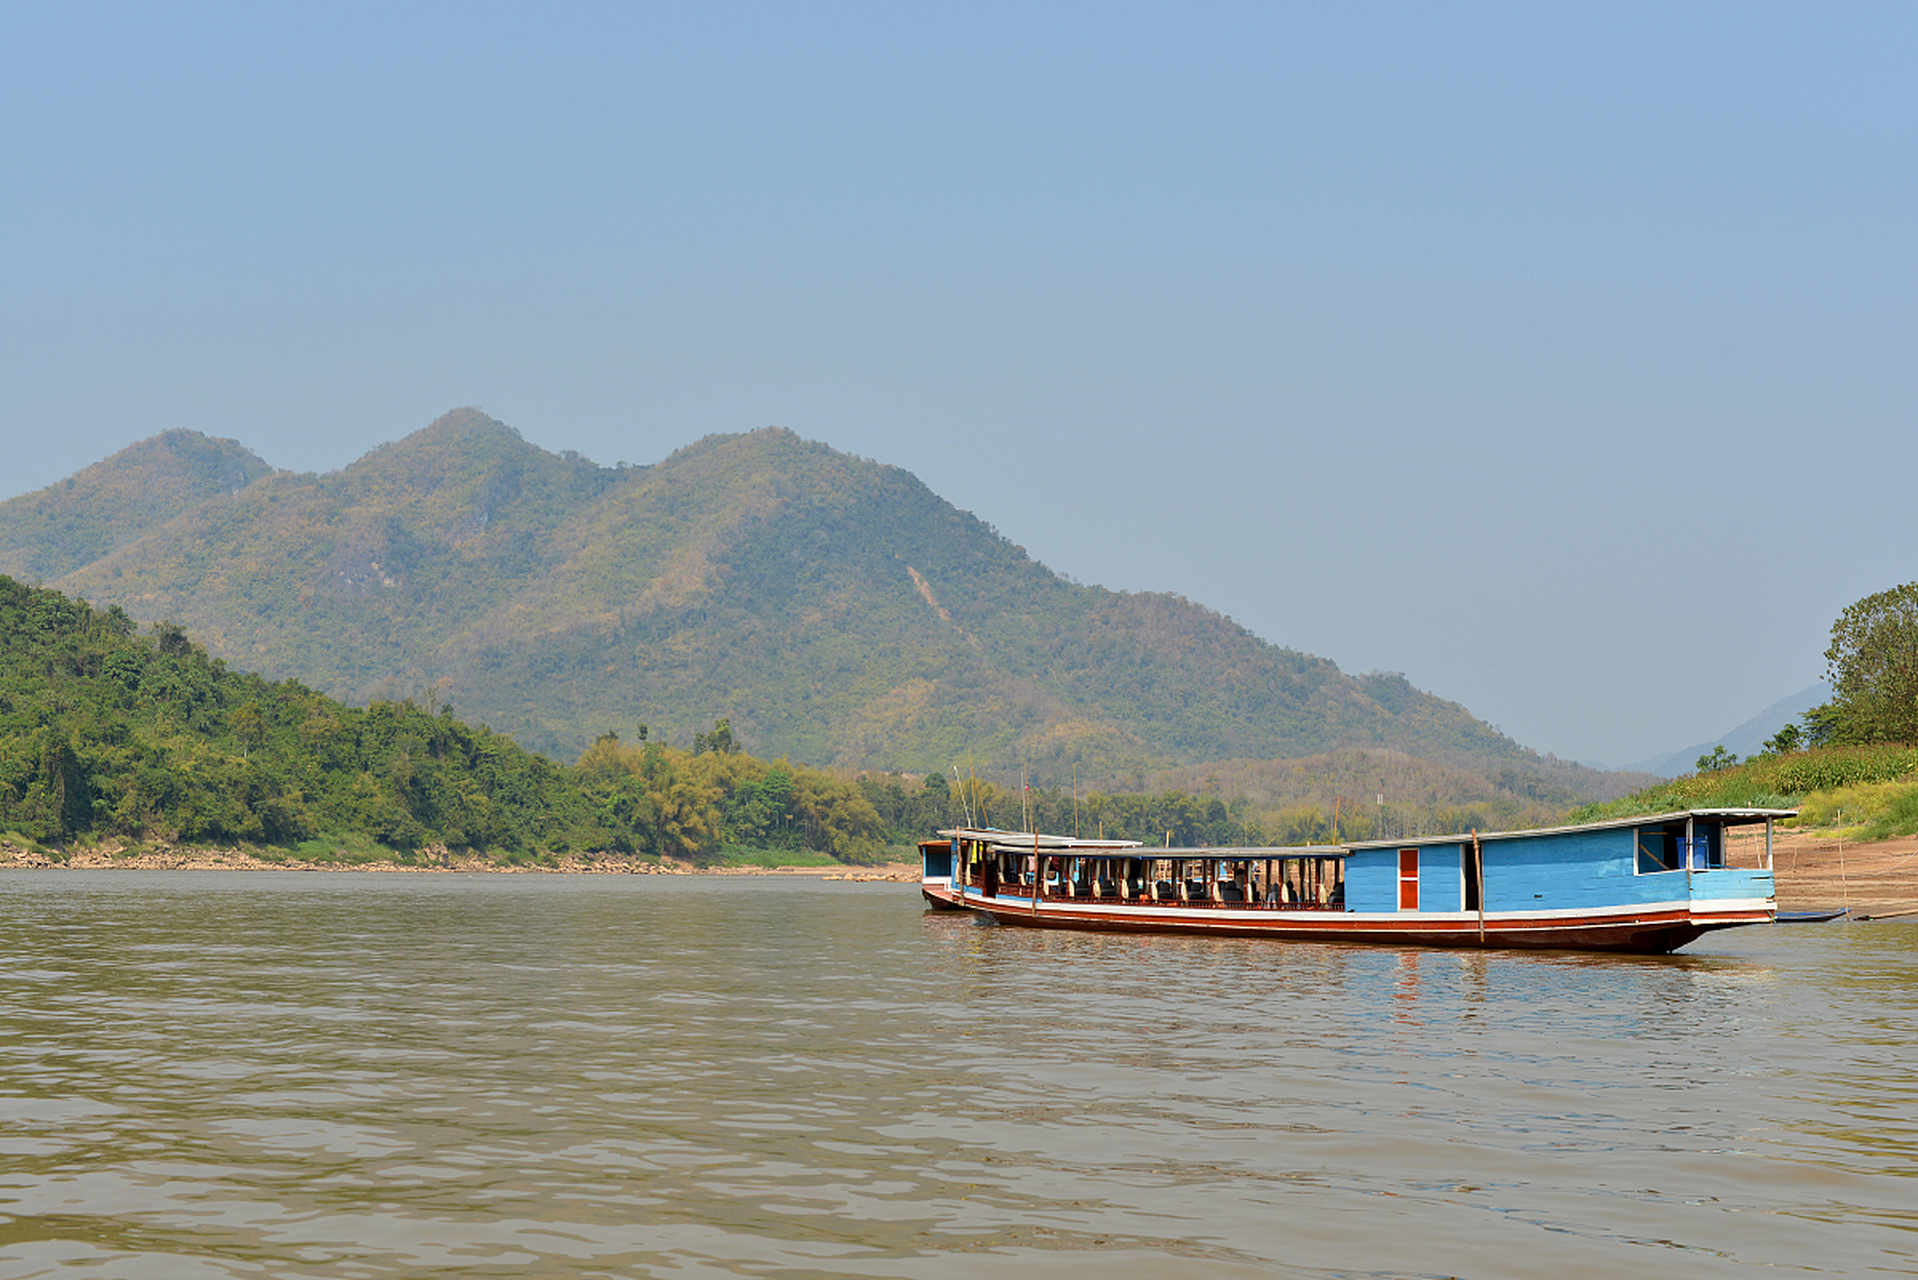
(118, 744)
(140, 739)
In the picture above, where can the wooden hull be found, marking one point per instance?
(940, 897)
(1642, 930)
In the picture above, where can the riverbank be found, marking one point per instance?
(1817, 871)
(1814, 870)
(109, 856)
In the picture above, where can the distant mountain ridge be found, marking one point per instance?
(96, 511)
(836, 609)
(1745, 740)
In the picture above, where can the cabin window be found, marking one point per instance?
(938, 859)
(1408, 879)
(1659, 848)
(1664, 848)
(1708, 847)
(1468, 856)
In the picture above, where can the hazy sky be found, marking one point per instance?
(1561, 358)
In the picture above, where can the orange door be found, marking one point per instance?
(1408, 879)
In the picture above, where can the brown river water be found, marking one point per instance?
(275, 1074)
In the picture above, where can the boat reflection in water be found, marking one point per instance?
(1646, 884)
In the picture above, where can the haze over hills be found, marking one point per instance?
(834, 608)
(1745, 740)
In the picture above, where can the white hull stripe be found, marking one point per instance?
(1628, 913)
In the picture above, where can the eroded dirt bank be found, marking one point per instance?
(1815, 870)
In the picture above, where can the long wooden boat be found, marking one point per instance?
(1647, 885)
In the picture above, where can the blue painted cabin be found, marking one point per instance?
(1691, 856)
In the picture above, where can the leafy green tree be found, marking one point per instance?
(1718, 758)
(720, 741)
(1823, 725)
(1872, 667)
(249, 725)
(1785, 741)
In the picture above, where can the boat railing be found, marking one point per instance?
(1184, 893)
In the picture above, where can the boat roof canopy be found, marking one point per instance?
(1018, 841)
(1726, 817)
(1255, 852)
(1025, 841)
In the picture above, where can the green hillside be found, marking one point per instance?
(835, 609)
(108, 733)
(89, 515)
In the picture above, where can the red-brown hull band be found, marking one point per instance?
(1653, 933)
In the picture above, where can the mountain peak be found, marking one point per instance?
(449, 442)
(463, 423)
(834, 608)
(119, 499)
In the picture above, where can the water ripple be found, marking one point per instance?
(358, 1076)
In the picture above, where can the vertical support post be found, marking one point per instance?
(1768, 844)
(1478, 866)
(1688, 855)
(1038, 875)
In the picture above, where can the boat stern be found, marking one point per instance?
(936, 875)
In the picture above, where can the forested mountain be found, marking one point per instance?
(108, 734)
(112, 503)
(835, 609)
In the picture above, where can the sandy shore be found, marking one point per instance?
(1816, 870)
(116, 857)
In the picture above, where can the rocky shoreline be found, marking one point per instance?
(431, 861)
(1815, 870)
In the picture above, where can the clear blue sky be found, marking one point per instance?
(1561, 358)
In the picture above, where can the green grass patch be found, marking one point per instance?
(521, 857)
(345, 850)
(736, 855)
(1876, 787)
(1875, 811)
(1803, 772)
(1899, 819)
(1861, 804)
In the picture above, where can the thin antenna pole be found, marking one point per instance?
(975, 787)
(1844, 886)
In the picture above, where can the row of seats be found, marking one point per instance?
(1165, 891)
